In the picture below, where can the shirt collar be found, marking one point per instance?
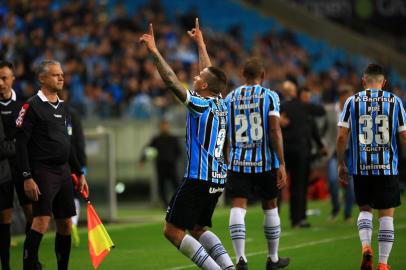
(13, 95)
(44, 98)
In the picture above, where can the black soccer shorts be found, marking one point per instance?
(243, 185)
(377, 191)
(6, 195)
(193, 204)
(55, 185)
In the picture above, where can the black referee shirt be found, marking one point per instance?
(43, 136)
(9, 110)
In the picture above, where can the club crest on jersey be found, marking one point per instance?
(21, 114)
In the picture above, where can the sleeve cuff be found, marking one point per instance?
(187, 97)
(343, 124)
(274, 113)
(27, 175)
(401, 128)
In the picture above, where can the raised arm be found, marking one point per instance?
(197, 36)
(166, 72)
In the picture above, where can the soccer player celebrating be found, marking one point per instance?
(256, 160)
(191, 208)
(371, 119)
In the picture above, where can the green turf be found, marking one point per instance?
(141, 245)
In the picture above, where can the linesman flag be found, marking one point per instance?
(99, 240)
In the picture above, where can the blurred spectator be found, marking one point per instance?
(297, 127)
(167, 150)
(332, 115)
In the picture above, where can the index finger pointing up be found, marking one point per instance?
(151, 30)
(197, 23)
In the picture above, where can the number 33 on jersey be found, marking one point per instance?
(374, 118)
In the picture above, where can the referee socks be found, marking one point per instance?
(31, 246)
(216, 249)
(62, 250)
(192, 249)
(5, 239)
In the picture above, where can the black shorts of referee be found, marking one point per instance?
(7, 194)
(56, 188)
(193, 204)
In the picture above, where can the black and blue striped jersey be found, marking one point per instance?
(206, 131)
(250, 147)
(374, 117)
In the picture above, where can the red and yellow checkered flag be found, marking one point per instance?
(99, 240)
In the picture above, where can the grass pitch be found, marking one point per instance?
(141, 245)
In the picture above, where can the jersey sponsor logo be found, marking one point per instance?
(58, 115)
(6, 112)
(213, 190)
(21, 114)
(220, 113)
(247, 163)
(247, 97)
(219, 175)
(366, 167)
(375, 99)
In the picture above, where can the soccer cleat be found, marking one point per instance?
(241, 265)
(39, 266)
(382, 266)
(281, 263)
(75, 236)
(367, 257)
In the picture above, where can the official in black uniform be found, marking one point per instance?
(297, 133)
(46, 157)
(9, 109)
(168, 149)
(6, 150)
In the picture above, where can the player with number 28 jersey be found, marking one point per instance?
(256, 163)
(251, 150)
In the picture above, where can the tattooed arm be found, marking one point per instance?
(167, 74)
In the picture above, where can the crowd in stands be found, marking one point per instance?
(109, 74)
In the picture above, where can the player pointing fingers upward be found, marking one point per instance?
(192, 206)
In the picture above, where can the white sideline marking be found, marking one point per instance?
(307, 244)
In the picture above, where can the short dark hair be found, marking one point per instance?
(253, 68)
(218, 81)
(303, 89)
(4, 63)
(374, 70)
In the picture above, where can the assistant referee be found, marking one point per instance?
(47, 158)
